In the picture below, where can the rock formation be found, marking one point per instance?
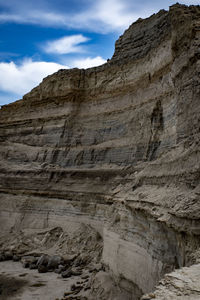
(117, 148)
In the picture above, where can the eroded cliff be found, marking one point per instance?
(117, 148)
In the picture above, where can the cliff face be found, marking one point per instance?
(116, 147)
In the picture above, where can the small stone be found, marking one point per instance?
(54, 261)
(28, 260)
(67, 294)
(84, 276)
(2, 257)
(73, 287)
(42, 269)
(16, 258)
(76, 273)
(66, 274)
(33, 266)
(43, 260)
(25, 264)
(87, 288)
(8, 255)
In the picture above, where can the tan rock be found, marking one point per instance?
(115, 148)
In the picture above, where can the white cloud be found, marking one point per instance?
(67, 44)
(190, 2)
(16, 80)
(110, 15)
(88, 62)
(35, 17)
(20, 79)
(98, 16)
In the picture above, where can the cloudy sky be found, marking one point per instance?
(38, 37)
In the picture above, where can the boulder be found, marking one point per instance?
(42, 269)
(8, 255)
(16, 257)
(28, 260)
(67, 273)
(53, 262)
(43, 260)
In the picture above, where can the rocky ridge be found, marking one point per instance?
(116, 148)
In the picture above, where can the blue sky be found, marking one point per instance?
(37, 38)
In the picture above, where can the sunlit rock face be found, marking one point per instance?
(116, 147)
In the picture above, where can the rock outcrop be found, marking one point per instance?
(116, 147)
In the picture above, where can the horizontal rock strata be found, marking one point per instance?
(116, 147)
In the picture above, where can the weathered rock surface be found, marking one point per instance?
(115, 147)
(181, 284)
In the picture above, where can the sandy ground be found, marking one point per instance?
(19, 283)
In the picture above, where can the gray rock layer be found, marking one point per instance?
(116, 147)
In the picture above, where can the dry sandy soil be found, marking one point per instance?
(24, 284)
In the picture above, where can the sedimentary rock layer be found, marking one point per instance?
(116, 147)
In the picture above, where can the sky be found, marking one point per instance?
(39, 37)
